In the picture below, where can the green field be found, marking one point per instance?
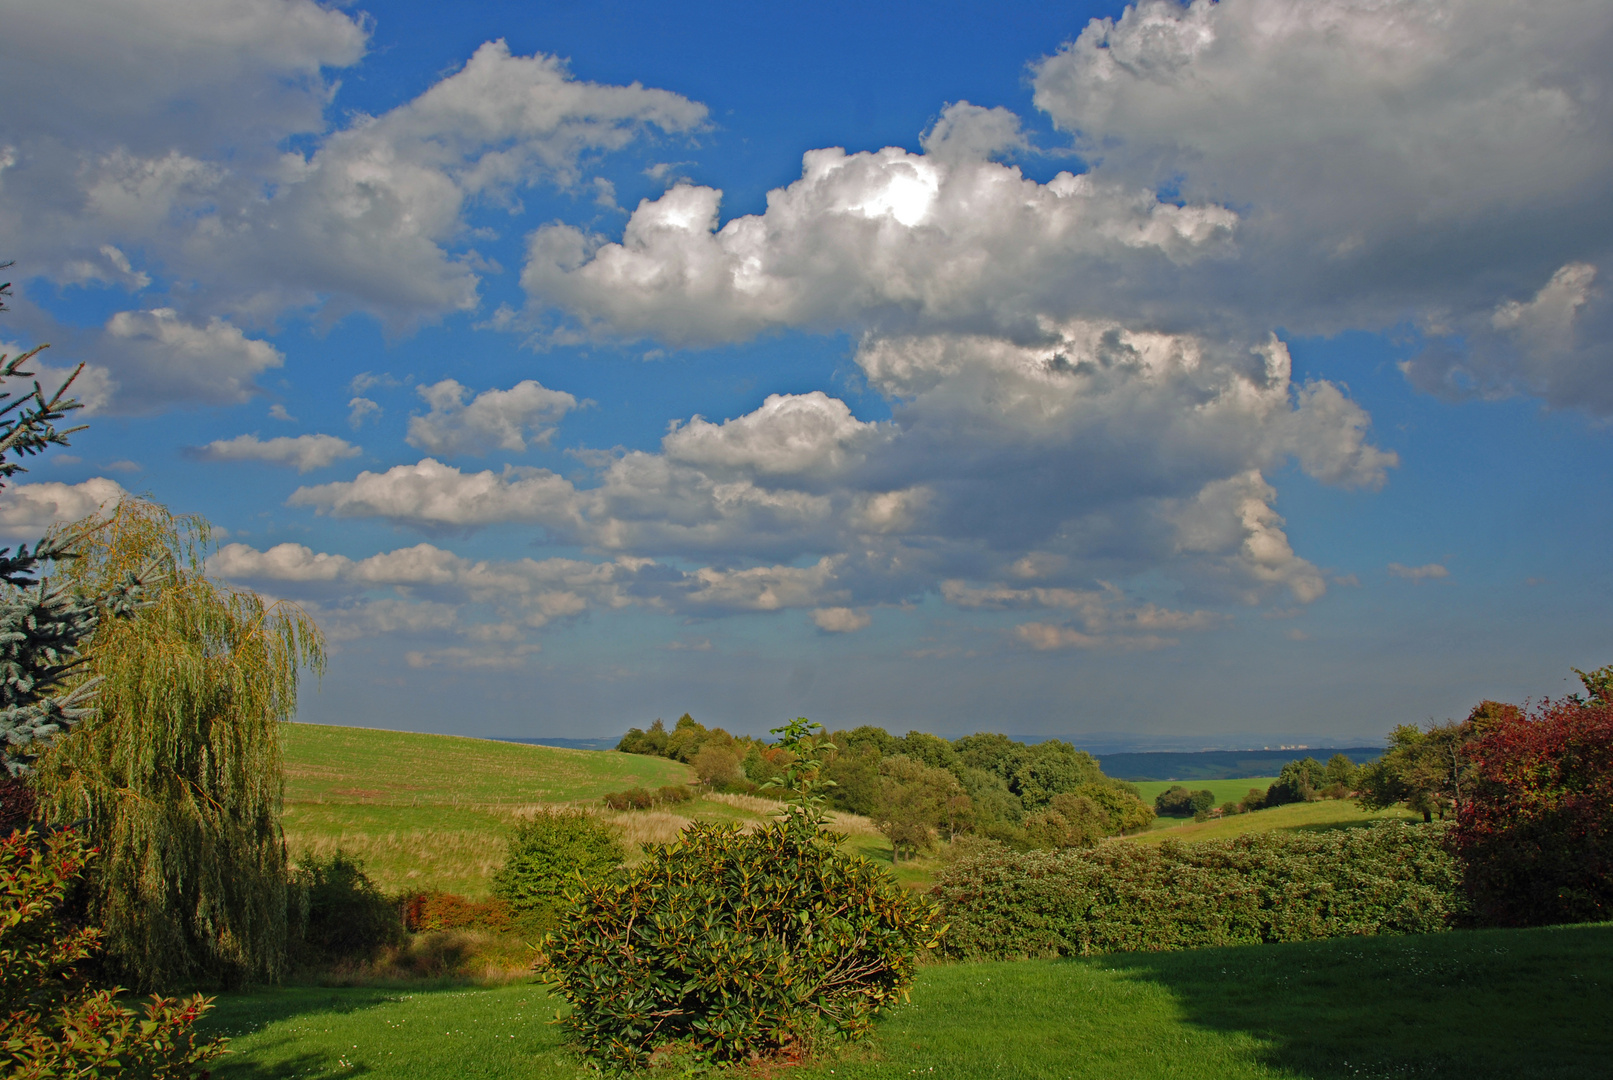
(432, 811)
(1322, 814)
(1471, 1004)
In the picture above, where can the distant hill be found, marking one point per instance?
(1220, 764)
(568, 744)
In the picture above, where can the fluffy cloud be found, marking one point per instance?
(1386, 159)
(840, 620)
(304, 453)
(1098, 618)
(888, 239)
(1102, 451)
(174, 73)
(790, 435)
(433, 496)
(424, 589)
(161, 130)
(494, 419)
(93, 386)
(27, 510)
(1553, 345)
(156, 358)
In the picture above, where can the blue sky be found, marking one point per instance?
(1152, 375)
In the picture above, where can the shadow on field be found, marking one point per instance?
(305, 1067)
(235, 1015)
(1475, 1003)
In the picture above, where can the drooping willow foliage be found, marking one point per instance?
(177, 775)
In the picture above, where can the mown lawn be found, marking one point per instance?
(1520, 1004)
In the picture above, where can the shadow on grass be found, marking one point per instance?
(234, 1015)
(304, 1066)
(1515, 1004)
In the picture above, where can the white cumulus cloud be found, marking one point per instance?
(432, 495)
(27, 510)
(304, 453)
(888, 239)
(1386, 159)
(493, 420)
(147, 143)
(840, 620)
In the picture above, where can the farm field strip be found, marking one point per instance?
(1473, 1005)
(1312, 816)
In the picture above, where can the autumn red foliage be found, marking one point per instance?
(1535, 823)
(426, 912)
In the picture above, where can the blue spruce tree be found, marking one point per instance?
(42, 624)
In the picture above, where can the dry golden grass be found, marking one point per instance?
(750, 804)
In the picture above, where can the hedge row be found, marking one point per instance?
(1130, 897)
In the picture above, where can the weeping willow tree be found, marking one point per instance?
(176, 775)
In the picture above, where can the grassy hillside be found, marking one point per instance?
(432, 811)
(1471, 1005)
(1323, 814)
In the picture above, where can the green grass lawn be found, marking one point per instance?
(1519, 1004)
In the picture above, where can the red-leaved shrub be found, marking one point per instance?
(427, 912)
(1535, 825)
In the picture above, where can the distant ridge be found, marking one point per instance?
(566, 744)
(1221, 764)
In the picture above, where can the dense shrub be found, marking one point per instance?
(1177, 801)
(1300, 781)
(715, 764)
(639, 798)
(52, 1024)
(426, 913)
(732, 945)
(338, 913)
(1124, 897)
(1535, 824)
(547, 853)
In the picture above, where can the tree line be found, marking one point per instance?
(920, 788)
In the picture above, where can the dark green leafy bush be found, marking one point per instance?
(730, 946)
(1300, 781)
(343, 914)
(547, 852)
(1264, 887)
